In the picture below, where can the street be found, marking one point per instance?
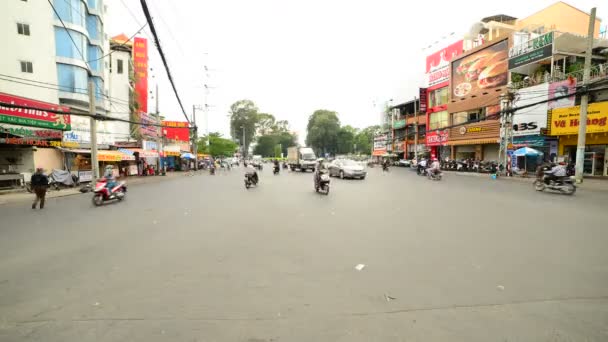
(201, 258)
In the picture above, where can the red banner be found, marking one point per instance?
(31, 117)
(438, 65)
(437, 138)
(140, 66)
(177, 130)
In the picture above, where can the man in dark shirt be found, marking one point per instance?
(40, 183)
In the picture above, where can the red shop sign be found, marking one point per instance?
(436, 138)
(33, 117)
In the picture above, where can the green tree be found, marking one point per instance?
(243, 116)
(271, 145)
(265, 124)
(364, 139)
(322, 131)
(265, 145)
(346, 139)
(219, 146)
(277, 151)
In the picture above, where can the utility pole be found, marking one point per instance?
(582, 128)
(415, 128)
(506, 130)
(244, 154)
(159, 136)
(195, 138)
(93, 128)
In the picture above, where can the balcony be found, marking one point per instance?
(598, 71)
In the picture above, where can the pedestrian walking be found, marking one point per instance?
(40, 183)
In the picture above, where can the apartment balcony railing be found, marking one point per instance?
(598, 71)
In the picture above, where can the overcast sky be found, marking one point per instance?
(293, 57)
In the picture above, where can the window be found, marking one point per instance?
(439, 97)
(438, 120)
(464, 117)
(72, 78)
(27, 67)
(23, 29)
(64, 46)
(119, 66)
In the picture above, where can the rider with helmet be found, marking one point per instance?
(435, 167)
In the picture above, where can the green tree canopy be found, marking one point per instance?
(271, 145)
(346, 139)
(364, 139)
(243, 116)
(219, 146)
(265, 123)
(322, 131)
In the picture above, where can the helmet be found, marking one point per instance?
(109, 168)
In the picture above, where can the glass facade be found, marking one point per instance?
(72, 78)
(438, 120)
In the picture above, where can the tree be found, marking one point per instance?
(243, 116)
(346, 139)
(265, 124)
(219, 146)
(364, 139)
(272, 145)
(322, 131)
(265, 145)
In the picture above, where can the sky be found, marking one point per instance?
(294, 57)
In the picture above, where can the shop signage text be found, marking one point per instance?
(525, 126)
(565, 121)
(465, 130)
(38, 142)
(28, 132)
(438, 65)
(531, 45)
(530, 57)
(423, 100)
(399, 124)
(435, 138)
(31, 117)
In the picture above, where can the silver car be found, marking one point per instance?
(346, 168)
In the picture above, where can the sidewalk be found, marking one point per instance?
(24, 196)
(595, 184)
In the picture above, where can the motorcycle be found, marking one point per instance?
(103, 194)
(563, 184)
(212, 170)
(434, 175)
(421, 170)
(385, 167)
(322, 183)
(276, 170)
(250, 180)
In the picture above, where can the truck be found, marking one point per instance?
(301, 158)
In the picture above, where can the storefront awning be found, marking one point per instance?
(143, 153)
(473, 142)
(104, 155)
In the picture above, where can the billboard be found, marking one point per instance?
(438, 65)
(530, 121)
(176, 130)
(562, 88)
(565, 121)
(380, 142)
(480, 71)
(531, 51)
(34, 118)
(140, 68)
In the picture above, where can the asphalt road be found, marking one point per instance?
(202, 259)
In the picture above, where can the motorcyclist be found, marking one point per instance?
(251, 171)
(320, 168)
(422, 165)
(555, 173)
(435, 166)
(110, 179)
(276, 165)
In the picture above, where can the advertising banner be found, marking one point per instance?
(480, 72)
(28, 132)
(531, 51)
(437, 137)
(177, 130)
(562, 88)
(423, 100)
(530, 121)
(565, 121)
(34, 118)
(438, 65)
(140, 66)
(146, 128)
(380, 142)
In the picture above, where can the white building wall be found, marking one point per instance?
(119, 88)
(38, 48)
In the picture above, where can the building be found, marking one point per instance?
(434, 99)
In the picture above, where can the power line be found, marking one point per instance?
(70, 35)
(162, 55)
(123, 44)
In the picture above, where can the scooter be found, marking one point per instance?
(250, 180)
(276, 170)
(103, 194)
(564, 185)
(322, 184)
(434, 176)
(421, 170)
(212, 170)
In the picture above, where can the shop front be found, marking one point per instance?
(478, 141)
(564, 124)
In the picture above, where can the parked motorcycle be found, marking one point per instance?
(564, 185)
(322, 183)
(103, 194)
(250, 180)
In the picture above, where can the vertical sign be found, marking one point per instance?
(140, 66)
(423, 100)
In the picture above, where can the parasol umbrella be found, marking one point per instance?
(527, 152)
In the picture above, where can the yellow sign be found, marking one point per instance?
(565, 121)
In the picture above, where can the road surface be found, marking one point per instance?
(202, 259)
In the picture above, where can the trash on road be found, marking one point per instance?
(500, 288)
(97, 304)
(388, 298)
(359, 267)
